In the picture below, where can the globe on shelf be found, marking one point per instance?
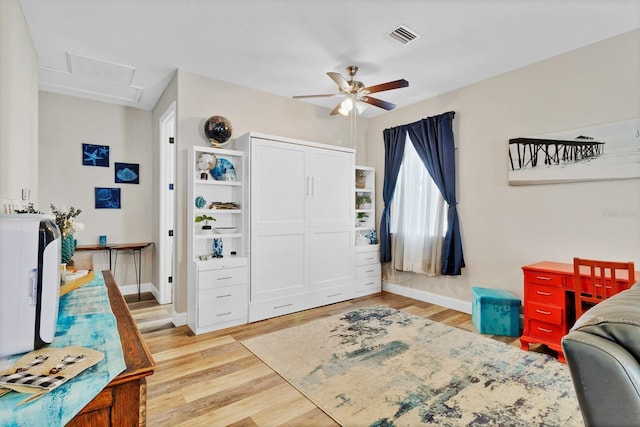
(205, 163)
(218, 129)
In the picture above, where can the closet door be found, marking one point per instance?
(278, 184)
(278, 219)
(331, 219)
(331, 183)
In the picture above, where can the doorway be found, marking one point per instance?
(167, 171)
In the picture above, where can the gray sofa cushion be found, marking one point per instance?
(616, 319)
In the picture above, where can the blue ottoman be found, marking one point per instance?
(495, 312)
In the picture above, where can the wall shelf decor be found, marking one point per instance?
(217, 277)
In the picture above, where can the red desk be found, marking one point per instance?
(549, 310)
(136, 248)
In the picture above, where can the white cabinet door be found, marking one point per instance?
(331, 258)
(278, 263)
(332, 180)
(278, 184)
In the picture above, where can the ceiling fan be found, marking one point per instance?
(355, 92)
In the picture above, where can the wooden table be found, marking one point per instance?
(549, 310)
(123, 401)
(134, 247)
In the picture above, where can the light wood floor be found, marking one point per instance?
(212, 380)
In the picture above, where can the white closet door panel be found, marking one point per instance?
(331, 258)
(278, 265)
(332, 183)
(278, 184)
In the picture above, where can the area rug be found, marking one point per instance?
(378, 366)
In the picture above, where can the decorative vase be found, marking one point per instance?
(217, 248)
(67, 249)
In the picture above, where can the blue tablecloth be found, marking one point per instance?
(85, 319)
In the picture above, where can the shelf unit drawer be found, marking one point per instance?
(368, 283)
(210, 279)
(371, 270)
(545, 312)
(366, 258)
(222, 304)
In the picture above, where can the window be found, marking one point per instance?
(418, 220)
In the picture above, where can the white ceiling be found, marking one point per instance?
(285, 47)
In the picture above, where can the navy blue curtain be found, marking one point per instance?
(394, 139)
(433, 140)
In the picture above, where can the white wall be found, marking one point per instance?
(503, 227)
(18, 107)
(65, 124)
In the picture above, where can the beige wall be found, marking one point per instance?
(18, 107)
(503, 227)
(65, 124)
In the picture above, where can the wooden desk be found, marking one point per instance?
(549, 310)
(123, 401)
(134, 247)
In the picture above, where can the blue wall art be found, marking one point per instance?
(95, 155)
(127, 173)
(107, 198)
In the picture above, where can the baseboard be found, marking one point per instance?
(452, 303)
(133, 289)
(179, 319)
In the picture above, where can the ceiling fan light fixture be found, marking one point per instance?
(346, 106)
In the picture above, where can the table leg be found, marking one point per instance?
(138, 267)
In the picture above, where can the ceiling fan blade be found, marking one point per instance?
(378, 102)
(340, 81)
(396, 84)
(328, 95)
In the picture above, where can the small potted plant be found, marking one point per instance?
(206, 228)
(362, 219)
(364, 201)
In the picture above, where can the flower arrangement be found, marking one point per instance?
(65, 220)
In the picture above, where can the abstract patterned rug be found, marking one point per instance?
(378, 366)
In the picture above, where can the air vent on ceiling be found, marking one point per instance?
(403, 34)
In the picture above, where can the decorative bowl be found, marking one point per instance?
(225, 230)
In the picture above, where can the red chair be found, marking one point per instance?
(603, 279)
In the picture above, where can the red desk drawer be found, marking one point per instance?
(547, 332)
(544, 294)
(547, 313)
(543, 278)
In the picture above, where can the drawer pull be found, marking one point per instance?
(543, 278)
(224, 278)
(224, 314)
(282, 306)
(370, 258)
(334, 295)
(544, 330)
(546, 294)
(369, 284)
(224, 296)
(369, 271)
(542, 312)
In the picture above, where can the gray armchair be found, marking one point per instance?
(603, 353)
